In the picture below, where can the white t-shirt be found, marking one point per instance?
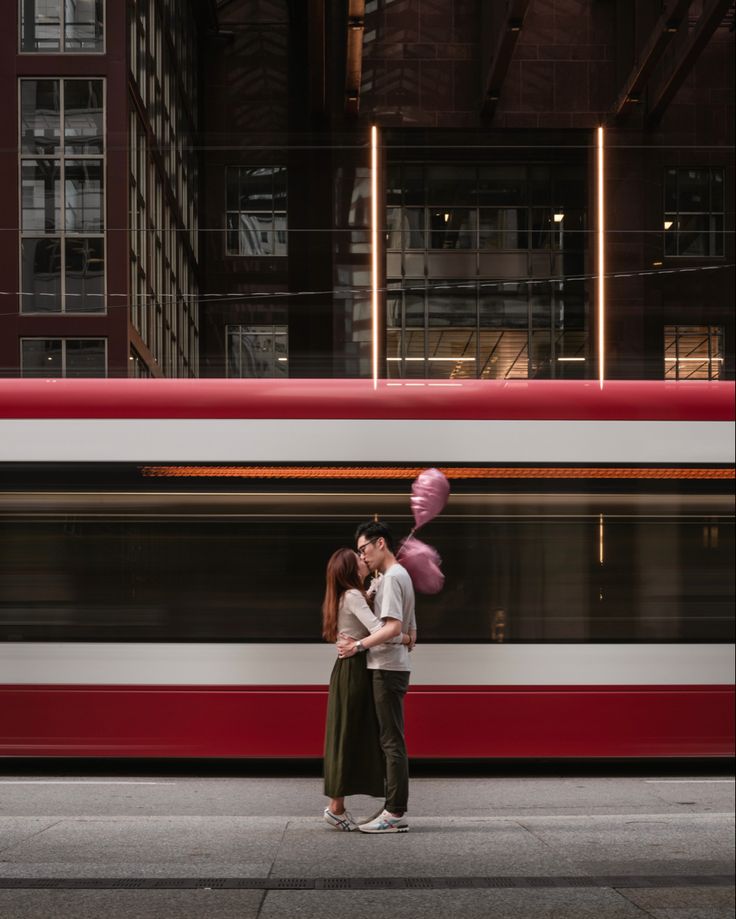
(394, 600)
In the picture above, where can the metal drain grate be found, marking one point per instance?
(289, 884)
(418, 883)
(378, 884)
(354, 883)
(333, 883)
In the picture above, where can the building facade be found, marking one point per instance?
(187, 188)
(99, 183)
(488, 116)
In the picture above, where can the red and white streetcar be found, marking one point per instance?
(163, 545)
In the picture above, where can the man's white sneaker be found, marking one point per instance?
(386, 823)
(342, 821)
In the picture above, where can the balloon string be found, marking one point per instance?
(406, 539)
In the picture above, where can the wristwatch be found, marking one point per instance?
(359, 646)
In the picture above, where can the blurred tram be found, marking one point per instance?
(163, 545)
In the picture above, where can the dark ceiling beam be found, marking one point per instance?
(210, 13)
(316, 56)
(509, 30)
(354, 55)
(711, 17)
(661, 35)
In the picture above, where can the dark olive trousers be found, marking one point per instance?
(389, 689)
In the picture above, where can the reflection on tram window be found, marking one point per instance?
(508, 579)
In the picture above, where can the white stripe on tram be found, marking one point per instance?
(264, 665)
(364, 441)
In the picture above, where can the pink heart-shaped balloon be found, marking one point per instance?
(429, 493)
(423, 564)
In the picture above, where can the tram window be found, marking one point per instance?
(508, 579)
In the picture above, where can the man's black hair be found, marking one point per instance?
(371, 529)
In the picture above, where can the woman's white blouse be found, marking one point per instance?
(355, 618)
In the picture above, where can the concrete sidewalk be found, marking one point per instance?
(623, 838)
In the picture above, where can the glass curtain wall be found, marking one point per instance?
(484, 271)
(164, 247)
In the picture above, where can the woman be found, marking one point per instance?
(353, 758)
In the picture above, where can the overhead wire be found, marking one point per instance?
(361, 290)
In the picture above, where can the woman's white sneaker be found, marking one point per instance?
(342, 821)
(385, 822)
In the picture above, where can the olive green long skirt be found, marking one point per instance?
(353, 757)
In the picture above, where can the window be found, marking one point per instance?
(62, 196)
(129, 573)
(256, 210)
(54, 26)
(474, 225)
(487, 330)
(694, 212)
(484, 208)
(137, 366)
(693, 352)
(257, 351)
(63, 357)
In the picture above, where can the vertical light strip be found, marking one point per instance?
(600, 539)
(374, 253)
(601, 263)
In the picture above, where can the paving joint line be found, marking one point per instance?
(21, 842)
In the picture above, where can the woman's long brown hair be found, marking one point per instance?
(342, 575)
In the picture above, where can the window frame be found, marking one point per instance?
(64, 339)
(710, 332)
(269, 328)
(550, 207)
(273, 212)
(704, 213)
(62, 34)
(526, 204)
(565, 344)
(62, 234)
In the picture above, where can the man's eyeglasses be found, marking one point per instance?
(361, 549)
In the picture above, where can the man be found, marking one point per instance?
(390, 665)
